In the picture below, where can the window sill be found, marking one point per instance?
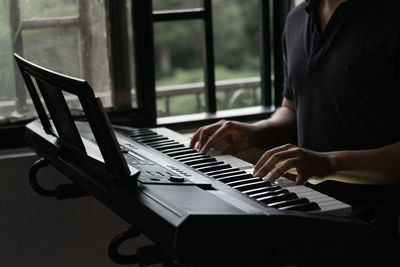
(12, 134)
(183, 122)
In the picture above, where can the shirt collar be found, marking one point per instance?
(313, 5)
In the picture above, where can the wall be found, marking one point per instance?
(40, 231)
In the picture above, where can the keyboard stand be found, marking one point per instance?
(63, 191)
(144, 256)
(147, 255)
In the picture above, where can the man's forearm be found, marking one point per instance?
(373, 166)
(277, 130)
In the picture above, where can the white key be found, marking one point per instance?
(327, 204)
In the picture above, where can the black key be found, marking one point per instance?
(303, 207)
(290, 176)
(268, 193)
(212, 173)
(228, 173)
(195, 157)
(138, 135)
(151, 139)
(192, 156)
(235, 177)
(161, 142)
(247, 181)
(170, 146)
(178, 151)
(133, 130)
(207, 164)
(214, 168)
(263, 188)
(257, 184)
(186, 156)
(277, 198)
(199, 161)
(289, 203)
(166, 145)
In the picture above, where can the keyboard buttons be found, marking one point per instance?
(124, 150)
(132, 146)
(176, 179)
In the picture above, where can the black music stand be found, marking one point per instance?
(51, 85)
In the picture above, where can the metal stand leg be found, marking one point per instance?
(144, 256)
(63, 191)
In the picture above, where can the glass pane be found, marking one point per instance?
(54, 49)
(131, 53)
(179, 71)
(7, 91)
(296, 2)
(175, 4)
(237, 59)
(78, 49)
(7, 88)
(47, 8)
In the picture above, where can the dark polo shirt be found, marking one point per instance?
(344, 81)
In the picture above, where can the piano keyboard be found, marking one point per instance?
(236, 173)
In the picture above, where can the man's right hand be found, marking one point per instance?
(238, 135)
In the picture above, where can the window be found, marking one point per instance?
(183, 17)
(68, 36)
(178, 57)
(146, 58)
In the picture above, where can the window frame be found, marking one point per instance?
(143, 27)
(145, 114)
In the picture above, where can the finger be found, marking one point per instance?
(300, 180)
(282, 169)
(218, 135)
(195, 138)
(204, 135)
(205, 132)
(277, 158)
(267, 155)
(271, 152)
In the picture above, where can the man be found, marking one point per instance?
(341, 95)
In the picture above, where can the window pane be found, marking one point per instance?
(236, 45)
(175, 4)
(131, 53)
(74, 45)
(296, 2)
(178, 56)
(47, 8)
(7, 91)
(179, 52)
(7, 88)
(55, 51)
